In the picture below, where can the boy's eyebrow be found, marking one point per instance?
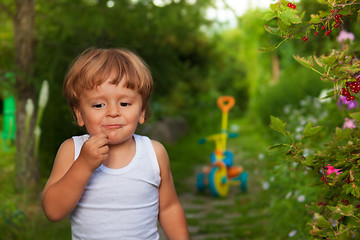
(101, 96)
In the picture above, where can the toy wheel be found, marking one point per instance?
(218, 182)
(243, 181)
(200, 185)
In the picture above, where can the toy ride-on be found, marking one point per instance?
(220, 174)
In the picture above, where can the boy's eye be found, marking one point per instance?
(98, 105)
(124, 104)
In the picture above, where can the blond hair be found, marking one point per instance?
(95, 66)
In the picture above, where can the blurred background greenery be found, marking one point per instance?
(194, 59)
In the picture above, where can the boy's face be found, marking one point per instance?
(112, 110)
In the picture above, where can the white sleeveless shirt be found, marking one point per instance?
(120, 203)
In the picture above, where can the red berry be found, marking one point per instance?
(336, 25)
(316, 33)
(293, 6)
(348, 182)
(324, 180)
(332, 11)
(305, 38)
(327, 32)
(323, 27)
(344, 90)
(289, 5)
(346, 202)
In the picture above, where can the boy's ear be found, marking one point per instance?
(142, 117)
(78, 116)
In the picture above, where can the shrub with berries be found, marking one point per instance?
(335, 164)
(284, 19)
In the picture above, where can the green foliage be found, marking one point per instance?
(336, 209)
(11, 220)
(338, 67)
(293, 83)
(336, 206)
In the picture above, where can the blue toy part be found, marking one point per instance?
(218, 182)
(228, 158)
(243, 178)
(202, 141)
(233, 135)
(200, 184)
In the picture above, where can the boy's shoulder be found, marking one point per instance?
(156, 144)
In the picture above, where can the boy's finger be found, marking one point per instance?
(100, 139)
(104, 150)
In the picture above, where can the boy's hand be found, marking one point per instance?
(95, 151)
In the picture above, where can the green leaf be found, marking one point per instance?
(279, 146)
(278, 125)
(315, 18)
(307, 62)
(342, 134)
(318, 61)
(267, 49)
(274, 6)
(323, 1)
(289, 17)
(321, 222)
(355, 116)
(355, 190)
(272, 30)
(329, 94)
(331, 59)
(343, 210)
(310, 130)
(269, 15)
(308, 161)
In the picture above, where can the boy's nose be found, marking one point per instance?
(113, 111)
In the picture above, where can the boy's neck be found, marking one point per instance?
(120, 155)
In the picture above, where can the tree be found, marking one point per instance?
(23, 18)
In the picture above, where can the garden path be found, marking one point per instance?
(238, 216)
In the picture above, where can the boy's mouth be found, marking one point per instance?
(112, 126)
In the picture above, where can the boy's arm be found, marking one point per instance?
(171, 214)
(69, 178)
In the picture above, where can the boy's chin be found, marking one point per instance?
(113, 140)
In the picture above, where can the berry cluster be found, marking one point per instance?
(334, 14)
(291, 5)
(354, 87)
(337, 19)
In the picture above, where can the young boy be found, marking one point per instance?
(113, 183)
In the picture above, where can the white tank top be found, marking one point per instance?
(120, 203)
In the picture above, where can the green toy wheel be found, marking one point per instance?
(218, 182)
